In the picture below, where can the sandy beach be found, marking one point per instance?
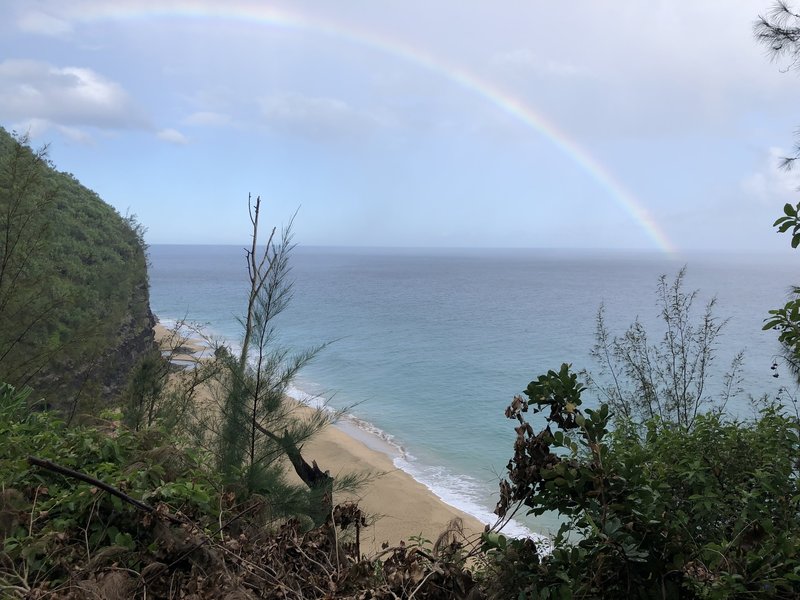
(401, 506)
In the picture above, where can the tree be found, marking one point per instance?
(235, 404)
(24, 234)
(779, 31)
(258, 424)
(671, 379)
(160, 395)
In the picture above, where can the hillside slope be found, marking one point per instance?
(74, 299)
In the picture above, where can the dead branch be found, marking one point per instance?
(55, 468)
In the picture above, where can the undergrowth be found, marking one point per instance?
(168, 528)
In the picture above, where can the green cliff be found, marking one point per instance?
(74, 299)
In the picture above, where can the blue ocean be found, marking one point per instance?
(430, 345)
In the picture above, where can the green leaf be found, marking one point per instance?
(779, 221)
(125, 540)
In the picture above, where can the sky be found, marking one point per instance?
(456, 123)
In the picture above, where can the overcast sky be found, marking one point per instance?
(620, 124)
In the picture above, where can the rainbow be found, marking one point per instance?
(501, 99)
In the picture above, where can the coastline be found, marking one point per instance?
(398, 506)
(401, 506)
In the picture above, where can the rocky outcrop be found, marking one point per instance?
(135, 339)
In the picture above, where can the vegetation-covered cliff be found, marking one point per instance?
(74, 304)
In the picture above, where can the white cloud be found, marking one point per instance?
(207, 118)
(772, 184)
(173, 136)
(524, 61)
(315, 117)
(639, 69)
(34, 128)
(75, 134)
(69, 96)
(44, 24)
(37, 128)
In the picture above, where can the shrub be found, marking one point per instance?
(658, 511)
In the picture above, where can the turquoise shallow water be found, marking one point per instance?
(431, 345)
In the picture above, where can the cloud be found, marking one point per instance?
(173, 136)
(315, 117)
(207, 118)
(75, 134)
(44, 24)
(639, 69)
(771, 184)
(37, 128)
(523, 60)
(67, 96)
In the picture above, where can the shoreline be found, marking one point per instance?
(402, 507)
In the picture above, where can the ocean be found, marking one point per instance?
(430, 345)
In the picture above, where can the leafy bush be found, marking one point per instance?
(51, 525)
(786, 319)
(663, 511)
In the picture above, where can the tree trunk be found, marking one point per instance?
(318, 481)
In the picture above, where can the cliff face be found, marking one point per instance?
(74, 296)
(135, 338)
